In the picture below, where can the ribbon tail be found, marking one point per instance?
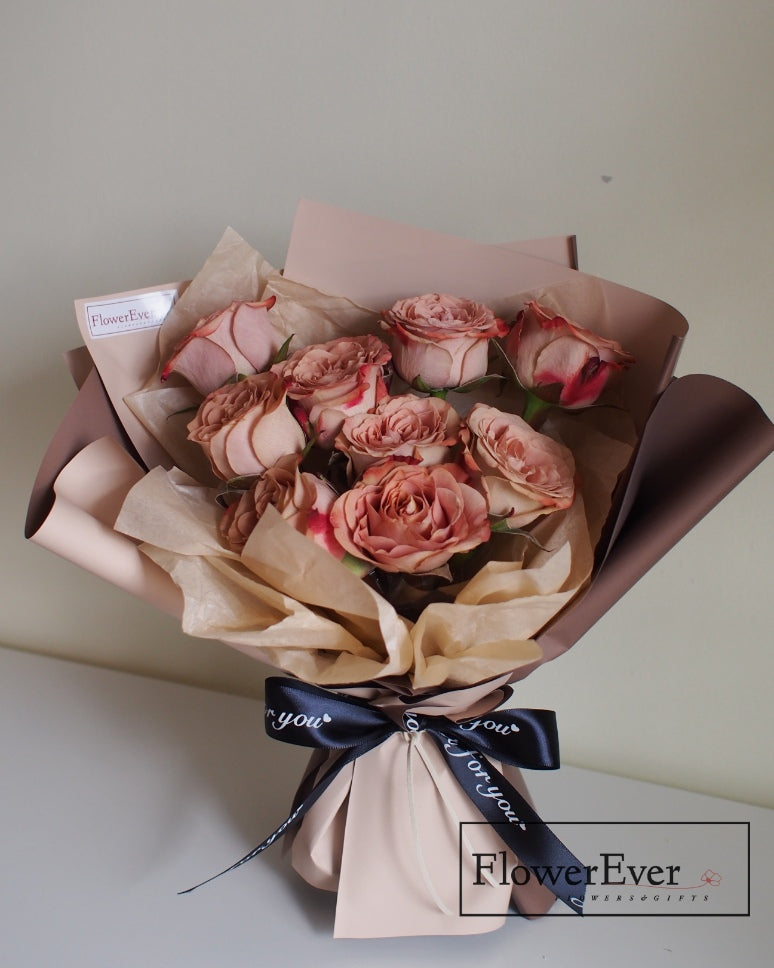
(517, 824)
(300, 807)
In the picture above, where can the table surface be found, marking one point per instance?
(120, 790)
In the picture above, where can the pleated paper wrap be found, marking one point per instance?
(283, 599)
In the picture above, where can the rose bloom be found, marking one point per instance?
(410, 518)
(525, 473)
(419, 429)
(236, 340)
(441, 340)
(334, 380)
(302, 499)
(246, 427)
(559, 361)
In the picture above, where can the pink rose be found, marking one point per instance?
(246, 427)
(420, 430)
(236, 340)
(331, 381)
(525, 473)
(559, 361)
(409, 518)
(441, 341)
(302, 499)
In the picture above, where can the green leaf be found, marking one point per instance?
(533, 406)
(356, 565)
(439, 392)
(231, 491)
(241, 483)
(284, 351)
(314, 436)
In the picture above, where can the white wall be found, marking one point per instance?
(134, 132)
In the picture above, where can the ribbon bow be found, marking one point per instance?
(305, 715)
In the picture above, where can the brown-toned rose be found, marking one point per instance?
(410, 518)
(236, 340)
(302, 499)
(526, 474)
(246, 427)
(560, 361)
(420, 430)
(441, 341)
(331, 381)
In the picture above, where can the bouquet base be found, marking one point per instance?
(402, 854)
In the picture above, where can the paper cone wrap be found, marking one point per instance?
(694, 439)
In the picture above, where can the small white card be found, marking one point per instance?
(125, 314)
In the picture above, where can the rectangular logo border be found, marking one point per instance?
(649, 823)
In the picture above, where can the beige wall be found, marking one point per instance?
(133, 133)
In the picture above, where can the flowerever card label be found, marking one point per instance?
(128, 313)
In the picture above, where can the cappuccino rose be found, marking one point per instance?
(246, 427)
(525, 473)
(236, 340)
(441, 341)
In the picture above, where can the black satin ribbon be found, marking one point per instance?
(305, 715)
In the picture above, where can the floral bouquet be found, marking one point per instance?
(405, 472)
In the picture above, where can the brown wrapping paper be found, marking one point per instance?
(698, 439)
(350, 834)
(704, 436)
(88, 470)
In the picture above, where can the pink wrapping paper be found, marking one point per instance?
(699, 437)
